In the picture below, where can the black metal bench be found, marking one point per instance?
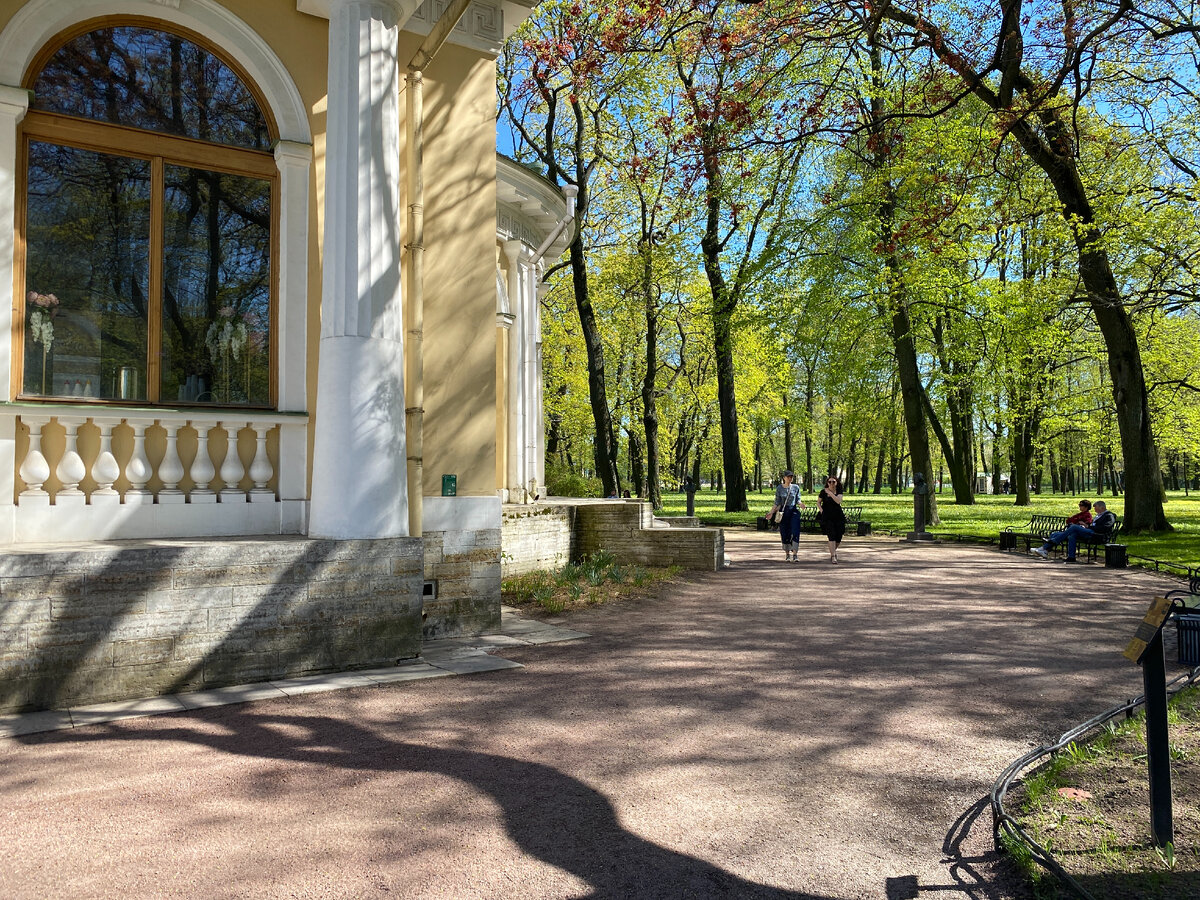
(1040, 527)
(809, 524)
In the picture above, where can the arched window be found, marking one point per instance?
(147, 220)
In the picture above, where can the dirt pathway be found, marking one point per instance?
(774, 730)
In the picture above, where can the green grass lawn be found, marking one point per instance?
(985, 519)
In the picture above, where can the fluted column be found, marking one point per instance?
(359, 471)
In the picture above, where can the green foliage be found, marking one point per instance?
(560, 482)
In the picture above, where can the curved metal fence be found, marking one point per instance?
(1004, 826)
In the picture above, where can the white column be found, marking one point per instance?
(512, 251)
(530, 381)
(294, 161)
(359, 487)
(14, 102)
(203, 470)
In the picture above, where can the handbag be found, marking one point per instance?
(777, 517)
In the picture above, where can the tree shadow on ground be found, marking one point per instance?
(551, 816)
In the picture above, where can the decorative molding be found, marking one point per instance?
(484, 27)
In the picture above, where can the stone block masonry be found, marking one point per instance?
(546, 536)
(133, 619)
(464, 565)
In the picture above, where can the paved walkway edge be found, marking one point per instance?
(438, 659)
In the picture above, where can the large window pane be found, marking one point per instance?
(86, 273)
(216, 288)
(154, 80)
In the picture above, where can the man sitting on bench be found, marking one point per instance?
(1101, 527)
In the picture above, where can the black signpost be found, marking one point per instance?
(1146, 649)
(689, 488)
(920, 489)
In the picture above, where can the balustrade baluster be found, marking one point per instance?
(137, 470)
(105, 470)
(70, 470)
(232, 468)
(34, 469)
(170, 470)
(260, 466)
(203, 471)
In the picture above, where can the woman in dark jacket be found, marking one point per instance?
(831, 514)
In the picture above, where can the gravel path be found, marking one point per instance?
(774, 730)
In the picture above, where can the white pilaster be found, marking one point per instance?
(14, 102)
(359, 487)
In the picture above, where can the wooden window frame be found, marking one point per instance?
(160, 150)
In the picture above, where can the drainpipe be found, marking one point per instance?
(570, 191)
(414, 354)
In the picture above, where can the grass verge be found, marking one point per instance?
(984, 519)
(594, 579)
(1089, 807)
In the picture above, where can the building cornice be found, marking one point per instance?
(485, 27)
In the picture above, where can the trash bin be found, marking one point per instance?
(1114, 556)
(1187, 629)
(1008, 540)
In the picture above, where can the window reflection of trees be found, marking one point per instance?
(89, 240)
(145, 78)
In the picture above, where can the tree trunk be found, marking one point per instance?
(606, 446)
(649, 380)
(637, 474)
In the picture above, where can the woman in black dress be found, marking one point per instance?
(833, 518)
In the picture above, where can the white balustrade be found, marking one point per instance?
(138, 470)
(91, 473)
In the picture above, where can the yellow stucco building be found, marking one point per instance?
(274, 360)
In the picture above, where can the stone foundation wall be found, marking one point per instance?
(627, 531)
(546, 536)
(462, 560)
(134, 619)
(465, 569)
(535, 538)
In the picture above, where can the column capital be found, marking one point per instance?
(14, 102)
(324, 9)
(293, 153)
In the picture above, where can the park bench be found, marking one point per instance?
(1040, 527)
(809, 524)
